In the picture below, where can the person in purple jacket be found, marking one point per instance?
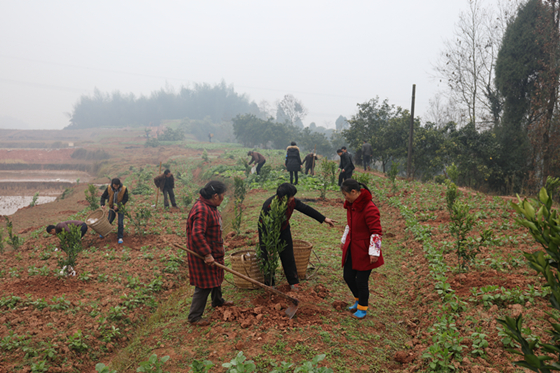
(56, 229)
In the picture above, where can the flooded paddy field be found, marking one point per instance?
(17, 188)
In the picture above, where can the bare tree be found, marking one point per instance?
(292, 110)
(467, 62)
(441, 112)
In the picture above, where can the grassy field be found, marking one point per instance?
(128, 302)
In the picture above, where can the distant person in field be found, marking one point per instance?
(367, 153)
(204, 236)
(289, 191)
(258, 159)
(293, 162)
(346, 166)
(360, 243)
(166, 183)
(56, 229)
(310, 161)
(116, 196)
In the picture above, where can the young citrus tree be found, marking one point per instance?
(543, 222)
(270, 225)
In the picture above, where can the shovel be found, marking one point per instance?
(292, 309)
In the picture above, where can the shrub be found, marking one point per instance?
(139, 219)
(541, 219)
(270, 225)
(34, 200)
(91, 197)
(13, 239)
(393, 172)
(71, 244)
(151, 142)
(239, 196)
(327, 174)
(462, 222)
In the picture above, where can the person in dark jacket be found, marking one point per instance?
(204, 236)
(116, 196)
(56, 229)
(367, 153)
(293, 161)
(166, 183)
(288, 191)
(360, 243)
(346, 166)
(309, 162)
(259, 160)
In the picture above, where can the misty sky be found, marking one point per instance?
(329, 54)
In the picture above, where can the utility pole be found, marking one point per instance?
(409, 163)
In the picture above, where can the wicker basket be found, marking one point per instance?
(302, 251)
(101, 225)
(246, 262)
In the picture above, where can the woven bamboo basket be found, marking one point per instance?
(302, 251)
(246, 262)
(101, 225)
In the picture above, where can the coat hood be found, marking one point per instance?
(292, 147)
(361, 201)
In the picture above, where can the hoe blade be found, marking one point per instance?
(291, 311)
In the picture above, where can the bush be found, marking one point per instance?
(270, 225)
(239, 196)
(13, 239)
(71, 244)
(91, 197)
(152, 142)
(34, 200)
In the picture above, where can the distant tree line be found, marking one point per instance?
(253, 131)
(216, 103)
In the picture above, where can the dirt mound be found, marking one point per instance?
(269, 311)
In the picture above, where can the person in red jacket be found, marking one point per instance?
(204, 236)
(361, 243)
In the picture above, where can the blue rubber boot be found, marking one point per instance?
(354, 307)
(120, 240)
(359, 314)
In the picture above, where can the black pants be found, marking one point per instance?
(171, 197)
(259, 166)
(310, 170)
(83, 229)
(367, 160)
(357, 281)
(286, 257)
(199, 299)
(343, 176)
(111, 216)
(292, 175)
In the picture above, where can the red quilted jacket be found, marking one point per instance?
(363, 220)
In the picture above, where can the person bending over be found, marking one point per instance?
(56, 229)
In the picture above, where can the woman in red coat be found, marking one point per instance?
(361, 243)
(204, 236)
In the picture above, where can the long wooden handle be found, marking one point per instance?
(253, 281)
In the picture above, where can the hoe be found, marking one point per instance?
(292, 309)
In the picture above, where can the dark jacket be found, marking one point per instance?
(367, 149)
(346, 162)
(204, 236)
(296, 204)
(257, 158)
(122, 197)
(363, 220)
(164, 182)
(293, 160)
(308, 160)
(64, 225)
